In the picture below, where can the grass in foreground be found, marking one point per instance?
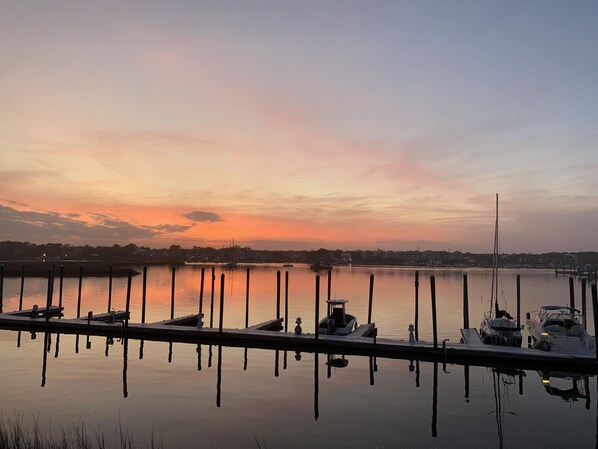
(14, 435)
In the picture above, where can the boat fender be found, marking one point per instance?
(528, 316)
(544, 345)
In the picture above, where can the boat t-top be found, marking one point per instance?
(339, 322)
(559, 328)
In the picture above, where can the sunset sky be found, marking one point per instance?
(300, 124)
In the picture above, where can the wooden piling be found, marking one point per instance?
(109, 289)
(172, 294)
(329, 279)
(277, 294)
(571, 293)
(595, 307)
(60, 286)
(143, 294)
(465, 303)
(434, 323)
(79, 293)
(286, 302)
(519, 301)
(371, 298)
(212, 298)
(128, 302)
(22, 287)
(221, 303)
(583, 303)
(416, 306)
(317, 311)
(247, 299)
(1, 287)
(201, 283)
(49, 295)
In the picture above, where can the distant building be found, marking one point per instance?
(346, 258)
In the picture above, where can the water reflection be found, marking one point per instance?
(45, 357)
(570, 388)
(219, 381)
(125, 364)
(501, 381)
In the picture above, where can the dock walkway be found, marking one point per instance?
(472, 352)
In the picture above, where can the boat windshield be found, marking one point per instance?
(560, 317)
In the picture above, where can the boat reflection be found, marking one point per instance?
(502, 381)
(578, 386)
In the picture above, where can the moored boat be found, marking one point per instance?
(321, 266)
(498, 327)
(559, 328)
(339, 322)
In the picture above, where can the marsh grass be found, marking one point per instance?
(15, 435)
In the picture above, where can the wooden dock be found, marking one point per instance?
(269, 335)
(185, 330)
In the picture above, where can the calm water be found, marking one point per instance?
(228, 397)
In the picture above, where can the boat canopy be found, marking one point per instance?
(333, 302)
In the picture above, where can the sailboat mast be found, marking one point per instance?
(494, 292)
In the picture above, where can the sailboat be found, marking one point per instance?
(498, 326)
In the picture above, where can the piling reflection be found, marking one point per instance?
(57, 346)
(45, 358)
(435, 402)
(219, 376)
(316, 387)
(125, 364)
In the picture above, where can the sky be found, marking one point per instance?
(300, 125)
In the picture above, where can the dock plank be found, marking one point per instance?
(472, 337)
(187, 320)
(269, 325)
(119, 315)
(362, 331)
(41, 311)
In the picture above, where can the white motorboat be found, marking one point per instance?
(559, 328)
(498, 327)
(339, 322)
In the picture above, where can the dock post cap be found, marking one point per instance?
(298, 329)
(411, 329)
